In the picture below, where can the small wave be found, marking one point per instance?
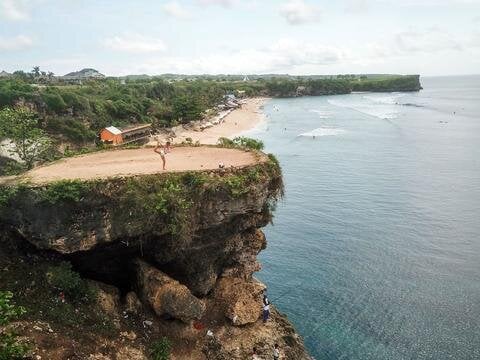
(322, 132)
(387, 100)
(322, 114)
(412, 104)
(379, 110)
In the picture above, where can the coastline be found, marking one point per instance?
(240, 120)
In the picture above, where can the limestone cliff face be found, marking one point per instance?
(185, 243)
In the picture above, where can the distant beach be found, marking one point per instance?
(245, 118)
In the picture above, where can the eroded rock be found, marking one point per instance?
(241, 299)
(108, 297)
(167, 296)
(133, 304)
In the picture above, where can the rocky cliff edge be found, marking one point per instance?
(168, 255)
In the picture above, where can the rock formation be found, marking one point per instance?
(185, 244)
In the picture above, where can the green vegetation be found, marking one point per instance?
(160, 349)
(407, 83)
(63, 279)
(7, 193)
(10, 348)
(64, 190)
(242, 143)
(37, 286)
(21, 126)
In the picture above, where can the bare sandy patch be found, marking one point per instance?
(139, 161)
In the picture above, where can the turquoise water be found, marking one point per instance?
(375, 250)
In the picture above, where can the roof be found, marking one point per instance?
(84, 74)
(113, 130)
(140, 127)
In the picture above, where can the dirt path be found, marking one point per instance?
(139, 161)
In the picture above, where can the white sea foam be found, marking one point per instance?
(391, 99)
(323, 132)
(322, 114)
(369, 107)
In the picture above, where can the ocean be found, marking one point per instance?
(374, 253)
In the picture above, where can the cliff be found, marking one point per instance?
(169, 255)
(389, 84)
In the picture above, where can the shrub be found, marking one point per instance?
(73, 129)
(248, 143)
(225, 142)
(241, 142)
(8, 311)
(237, 185)
(6, 193)
(10, 348)
(63, 278)
(54, 102)
(160, 349)
(64, 190)
(194, 179)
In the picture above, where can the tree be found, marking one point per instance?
(36, 71)
(21, 127)
(186, 109)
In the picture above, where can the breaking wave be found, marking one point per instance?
(323, 132)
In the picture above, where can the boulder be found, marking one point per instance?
(241, 299)
(108, 297)
(130, 353)
(167, 296)
(133, 304)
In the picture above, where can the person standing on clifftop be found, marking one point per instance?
(266, 307)
(162, 151)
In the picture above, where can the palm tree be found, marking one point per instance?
(36, 71)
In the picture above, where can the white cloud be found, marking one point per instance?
(225, 3)
(299, 12)
(414, 42)
(134, 43)
(19, 42)
(177, 10)
(357, 6)
(15, 10)
(475, 42)
(283, 56)
(431, 40)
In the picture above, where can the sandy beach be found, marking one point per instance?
(248, 116)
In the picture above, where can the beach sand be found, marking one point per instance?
(245, 118)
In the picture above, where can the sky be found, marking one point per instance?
(298, 37)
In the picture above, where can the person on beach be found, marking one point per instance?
(266, 307)
(276, 352)
(162, 152)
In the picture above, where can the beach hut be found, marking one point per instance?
(136, 133)
(111, 135)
